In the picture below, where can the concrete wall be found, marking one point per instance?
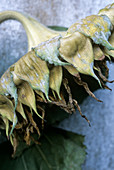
(99, 139)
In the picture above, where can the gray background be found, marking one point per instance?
(99, 139)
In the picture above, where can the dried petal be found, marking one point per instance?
(33, 70)
(111, 41)
(109, 11)
(49, 51)
(21, 110)
(27, 97)
(56, 79)
(7, 85)
(72, 70)
(77, 50)
(6, 121)
(98, 28)
(7, 111)
(98, 53)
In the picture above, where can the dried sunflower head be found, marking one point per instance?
(48, 73)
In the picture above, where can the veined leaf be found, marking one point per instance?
(33, 70)
(98, 28)
(56, 79)
(49, 51)
(7, 85)
(58, 150)
(78, 51)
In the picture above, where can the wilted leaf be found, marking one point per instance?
(21, 110)
(98, 53)
(33, 70)
(98, 28)
(111, 40)
(58, 150)
(26, 96)
(109, 11)
(49, 51)
(6, 121)
(40, 94)
(77, 50)
(56, 79)
(7, 85)
(72, 70)
(7, 110)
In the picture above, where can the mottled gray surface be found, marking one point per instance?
(99, 139)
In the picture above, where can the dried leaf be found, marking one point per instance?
(33, 70)
(7, 85)
(27, 97)
(109, 11)
(56, 79)
(7, 111)
(6, 108)
(6, 121)
(70, 102)
(98, 28)
(103, 77)
(40, 94)
(72, 70)
(21, 110)
(98, 53)
(33, 123)
(49, 51)
(78, 107)
(85, 85)
(78, 51)
(111, 40)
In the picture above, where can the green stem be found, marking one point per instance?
(36, 32)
